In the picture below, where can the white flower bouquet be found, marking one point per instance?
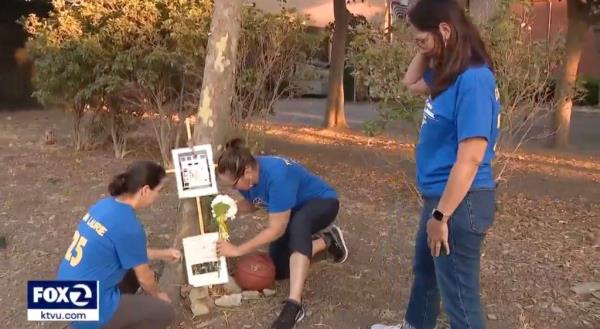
(224, 208)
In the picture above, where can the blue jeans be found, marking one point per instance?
(455, 277)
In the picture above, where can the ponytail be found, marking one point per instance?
(118, 185)
(137, 175)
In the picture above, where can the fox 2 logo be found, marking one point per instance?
(62, 295)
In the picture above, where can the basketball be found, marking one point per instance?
(255, 272)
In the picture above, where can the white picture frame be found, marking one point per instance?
(203, 266)
(195, 171)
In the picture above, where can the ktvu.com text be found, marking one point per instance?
(62, 301)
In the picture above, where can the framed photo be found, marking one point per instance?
(203, 266)
(195, 171)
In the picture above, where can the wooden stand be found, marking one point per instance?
(172, 171)
(198, 205)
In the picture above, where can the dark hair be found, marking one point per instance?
(464, 48)
(235, 158)
(137, 175)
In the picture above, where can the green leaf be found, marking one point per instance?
(220, 209)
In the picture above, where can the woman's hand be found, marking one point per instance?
(170, 255)
(413, 79)
(227, 249)
(437, 236)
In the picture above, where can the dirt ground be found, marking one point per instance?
(545, 240)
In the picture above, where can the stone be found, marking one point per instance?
(250, 295)
(234, 300)
(2, 242)
(198, 293)
(199, 307)
(492, 317)
(185, 290)
(48, 138)
(232, 287)
(596, 294)
(586, 288)
(269, 292)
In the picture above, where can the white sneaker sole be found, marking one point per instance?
(300, 318)
(341, 235)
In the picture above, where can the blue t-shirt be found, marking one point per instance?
(108, 242)
(284, 184)
(468, 108)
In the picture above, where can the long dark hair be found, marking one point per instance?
(235, 158)
(137, 175)
(463, 49)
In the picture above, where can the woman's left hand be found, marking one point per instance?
(227, 249)
(171, 255)
(437, 236)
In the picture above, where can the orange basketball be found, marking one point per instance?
(255, 272)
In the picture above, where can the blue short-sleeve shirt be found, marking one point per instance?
(468, 108)
(285, 185)
(109, 241)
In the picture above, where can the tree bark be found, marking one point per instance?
(78, 112)
(334, 114)
(387, 23)
(578, 25)
(482, 10)
(212, 123)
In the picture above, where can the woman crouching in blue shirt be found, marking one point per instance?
(454, 156)
(301, 209)
(109, 246)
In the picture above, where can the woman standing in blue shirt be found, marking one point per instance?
(454, 155)
(109, 246)
(301, 209)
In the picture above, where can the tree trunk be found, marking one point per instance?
(334, 114)
(78, 112)
(212, 119)
(482, 10)
(387, 23)
(576, 32)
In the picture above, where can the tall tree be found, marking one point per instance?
(482, 10)
(581, 15)
(213, 115)
(334, 113)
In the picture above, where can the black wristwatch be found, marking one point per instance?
(438, 215)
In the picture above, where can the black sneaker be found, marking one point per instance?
(290, 315)
(336, 245)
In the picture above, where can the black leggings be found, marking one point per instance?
(314, 216)
(139, 311)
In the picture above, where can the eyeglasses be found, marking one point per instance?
(421, 41)
(237, 173)
(235, 182)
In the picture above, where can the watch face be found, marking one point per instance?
(438, 215)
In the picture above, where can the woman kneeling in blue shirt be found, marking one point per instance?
(301, 208)
(109, 246)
